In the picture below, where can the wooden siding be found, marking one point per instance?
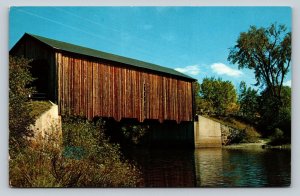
(35, 51)
(91, 88)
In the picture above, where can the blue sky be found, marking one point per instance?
(193, 40)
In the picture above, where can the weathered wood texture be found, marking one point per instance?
(92, 87)
(38, 52)
(82, 85)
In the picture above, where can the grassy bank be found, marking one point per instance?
(244, 132)
(37, 108)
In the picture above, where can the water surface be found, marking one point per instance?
(213, 167)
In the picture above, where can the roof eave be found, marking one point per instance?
(179, 75)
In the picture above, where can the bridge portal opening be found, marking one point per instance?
(40, 72)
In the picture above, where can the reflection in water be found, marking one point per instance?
(213, 167)
(208, 166)
(166, 168)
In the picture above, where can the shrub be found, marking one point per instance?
(236, 135)
(101, 163)
(19, 112)
(98, 163)
(31, 166)
(276, 112)
(251, 135)
(134, 133)
(278, 138)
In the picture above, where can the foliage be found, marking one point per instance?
(249, 131)
(38, 107)
(248, 101)
(268, 52)
(32, 167)
(134, 133)
(275, 113)
(251, 135)
(236, 136)
(246, 135)
(237, 131)
(217, 97)
(48, 164)
(102, 161)
(203, 106)
(278, 138)
(19, 112)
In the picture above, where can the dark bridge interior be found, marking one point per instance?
(40, 72)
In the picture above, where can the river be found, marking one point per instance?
(213, 167)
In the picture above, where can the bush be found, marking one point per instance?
(101, 162)
(85, 159)
(237, 131)
(32, 166)
(134, 133)
(19, 112)
(236, 136)
(251, 135)
(278, 138)
(276, 112)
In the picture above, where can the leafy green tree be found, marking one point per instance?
(248, 101)
(19, 112)
(274, 116)
(218, 97)
(267, 51)
(202, 106)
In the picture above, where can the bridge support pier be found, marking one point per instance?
(207, 133)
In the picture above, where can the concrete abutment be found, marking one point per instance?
(207, 133)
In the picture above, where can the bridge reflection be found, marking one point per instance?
(208, 166)
(213, 167)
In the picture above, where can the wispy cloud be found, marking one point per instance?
(288, 83)
(191, 69)
(222, 69)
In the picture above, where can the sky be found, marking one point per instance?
(192, 40)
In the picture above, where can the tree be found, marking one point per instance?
(248, 100)
(19, 112)
(202, 106)
(217, 96)
(267, 51)
(274, 116)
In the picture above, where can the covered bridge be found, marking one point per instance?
(91, 83)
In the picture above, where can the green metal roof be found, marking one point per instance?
(59, 45)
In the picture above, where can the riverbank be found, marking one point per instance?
(260, 144)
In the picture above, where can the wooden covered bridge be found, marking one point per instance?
(91, 83)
